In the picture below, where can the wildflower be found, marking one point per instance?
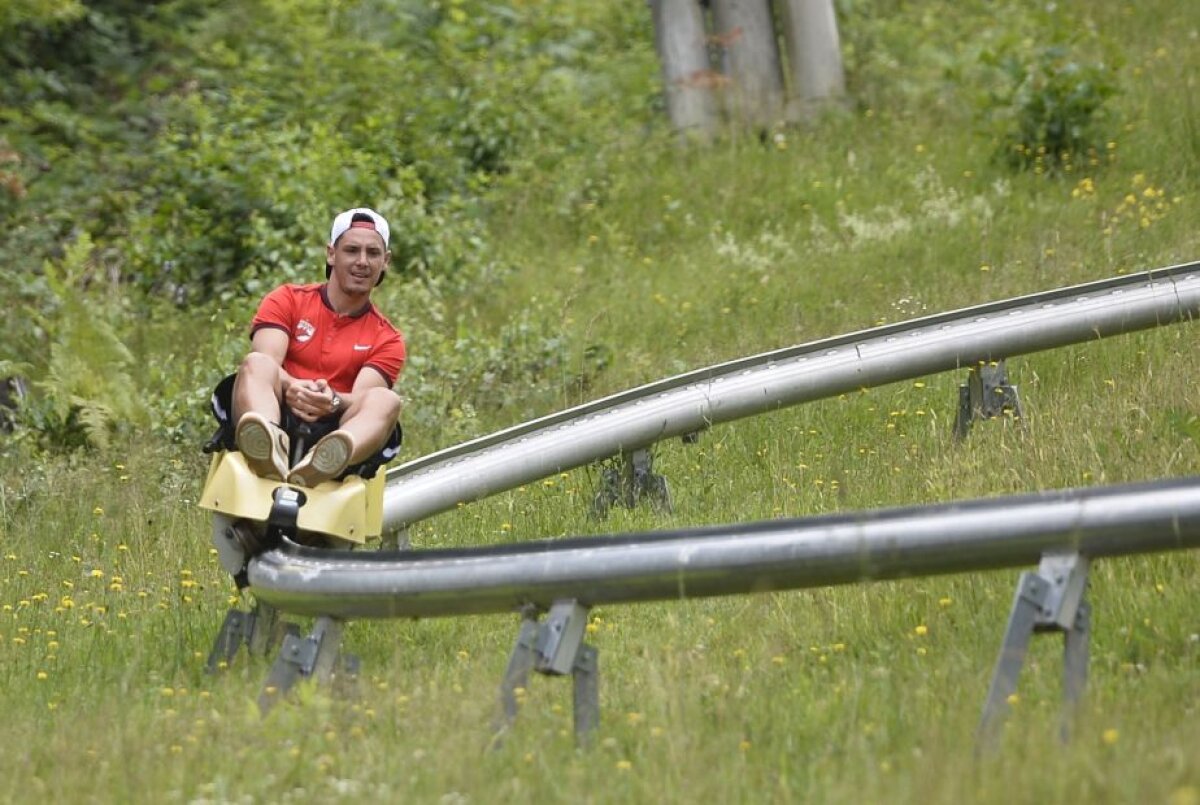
(99, 512)
(921, 630)
(624, 765)
(945, 601)
(1110, 736)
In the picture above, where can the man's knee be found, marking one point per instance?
(259, 365)
(383, 403)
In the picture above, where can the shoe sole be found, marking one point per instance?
(256, 443)
(327, 460)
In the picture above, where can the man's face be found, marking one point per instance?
(358, 258)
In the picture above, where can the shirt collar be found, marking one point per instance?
(356, 314)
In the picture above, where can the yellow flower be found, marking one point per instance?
(921, 630)
(1110, 736)
(624, 765)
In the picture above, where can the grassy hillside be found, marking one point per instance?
(618, 261)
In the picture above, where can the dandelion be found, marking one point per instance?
(921, 630)
(1013, 699)
(1110, 736)
(98, 511)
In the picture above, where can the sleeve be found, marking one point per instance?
(275, 310)
(388, 357)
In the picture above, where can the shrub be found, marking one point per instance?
(1052, 107)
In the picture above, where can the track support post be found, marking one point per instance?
(630, 483)
(1051, 599)
(311, 657)
(257, 630)
(554, 647)
(987, 394)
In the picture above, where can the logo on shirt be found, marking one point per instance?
(361, 347)
(304, 330)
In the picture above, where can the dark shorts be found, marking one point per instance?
(303, 435)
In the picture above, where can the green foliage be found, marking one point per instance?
(39, 13)
(88, 389)
(1053, 105)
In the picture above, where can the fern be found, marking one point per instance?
(90, 382)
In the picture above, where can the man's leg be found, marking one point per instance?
(257, 387)
(256, 413)
(364, 430)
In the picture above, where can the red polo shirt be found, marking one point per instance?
(323, 344)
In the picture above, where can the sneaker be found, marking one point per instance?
(328, 459)
(264, 445)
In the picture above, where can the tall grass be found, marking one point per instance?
(667, 260)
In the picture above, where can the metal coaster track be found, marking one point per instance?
(691, 402)
(725, 560)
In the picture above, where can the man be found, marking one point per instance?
(321, 366)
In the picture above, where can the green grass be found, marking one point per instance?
(668, 261)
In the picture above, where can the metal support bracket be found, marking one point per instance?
(312, 657)
(1052, 599)
(987, 394)
(553, 648)
(630, 483)
(395, 539)
(257, 630)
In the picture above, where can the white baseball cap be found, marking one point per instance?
(367, 219)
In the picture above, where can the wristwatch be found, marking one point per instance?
(335, 403)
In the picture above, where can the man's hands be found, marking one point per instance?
(311, 399)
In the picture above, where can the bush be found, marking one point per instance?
(1051, 106)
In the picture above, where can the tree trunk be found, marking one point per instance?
(745, 31)
(687, 75)
(814, 55)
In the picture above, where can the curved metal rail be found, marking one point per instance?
(774, 555)
(693, 401)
